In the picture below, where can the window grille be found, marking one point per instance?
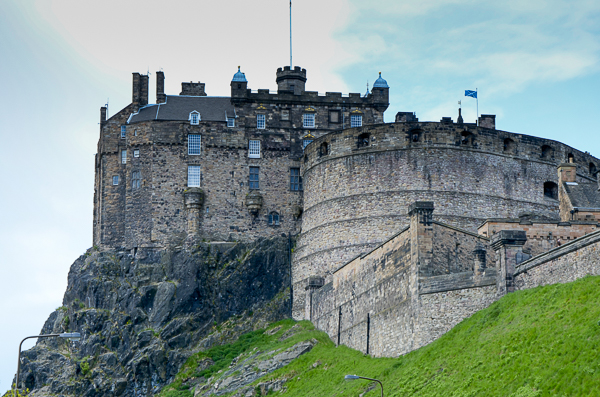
(193, 176)
(308, 120)
(260, 121)
(136, 179)
(123, 156)
(116, 180)
(194, 144)
(253, 178)
(355, 120)
(254, 150)
(305, 143)
(194, 118)
(123, 131)
(230, 122)
(274, 219)
(295, 179)
(136, 153)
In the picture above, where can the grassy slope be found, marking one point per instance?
(539, 342)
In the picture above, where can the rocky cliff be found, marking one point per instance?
(142, 314)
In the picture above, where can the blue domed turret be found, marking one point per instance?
(380, 83)
(240, 77)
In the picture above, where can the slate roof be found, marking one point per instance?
(178, 108)
(583, 195)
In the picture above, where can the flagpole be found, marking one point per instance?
(291, 66)
(477, 98)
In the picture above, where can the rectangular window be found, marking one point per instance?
(193, 176)
(230, 122)
(334, 116)
(285, 114)
(136, 179)
(136, 153)
(123, 156)
(253, 178)
(356, 120)
(254, 150)
(194, 118)
(305, 143)
(260, 121)
(308, 120)
(116, 180)
(295, 179)
(123, 131)
(194, 144)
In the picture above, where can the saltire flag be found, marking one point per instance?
(472, 94)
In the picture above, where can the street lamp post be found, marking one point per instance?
(74, 336)
(353, 377)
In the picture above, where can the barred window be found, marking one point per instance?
(123, 131)
(116, 180)
(356, 120)
(230, 122)
(136, 179)
(123, 156)
(254, 150)
(308, 120)
(253, 178)
(136, 153)
(305, 143)
(193, 176)
(194, 144)
(260, 121)
(295, 179)
(274, 219)
(194, 118)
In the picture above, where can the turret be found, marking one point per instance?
(291, 80)
(381, 94)
(239, 85)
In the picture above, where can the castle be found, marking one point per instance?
(403, 229)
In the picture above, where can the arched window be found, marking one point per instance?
(592, 169)
(509, 145)
(274, 218)
(551, 190)
(466, 138)
(570, 158)
(363, 140)
(547, 152)
(324, 149)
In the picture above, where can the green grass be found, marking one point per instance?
(539, 342)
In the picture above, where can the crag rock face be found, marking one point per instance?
(142, 314)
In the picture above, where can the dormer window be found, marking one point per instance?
(194, 118)
(230, 122)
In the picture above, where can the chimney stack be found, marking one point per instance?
(139, 91)
(160, 88)
(103, 110)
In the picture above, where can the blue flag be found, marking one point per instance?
(472, 94)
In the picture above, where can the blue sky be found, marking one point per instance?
(535, 65)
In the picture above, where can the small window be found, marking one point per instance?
(254, 149)
(253, 178)
(466, 138)
(194, 118)
(305, 143)
(135, 132)
(356, 120)
(415, 136)
(295, 179)
(363, 140)
(123, 156)
(136, 153)
(123, 131)
(509, 145)
(308, 120)
(230, 122)
(334, 116)
(136, 179)
(260, 121)
(116, 180)
(592, 169)
(193, 176)
(547, 152)
(570, 158)
(194, 144)
(285, 114)
(274, 219)
(324, 149)
(551, 190)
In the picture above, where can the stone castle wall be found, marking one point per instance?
(357, 192)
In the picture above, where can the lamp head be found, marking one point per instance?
(351, 377)
(74, 336)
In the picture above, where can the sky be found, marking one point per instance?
(534, 63)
